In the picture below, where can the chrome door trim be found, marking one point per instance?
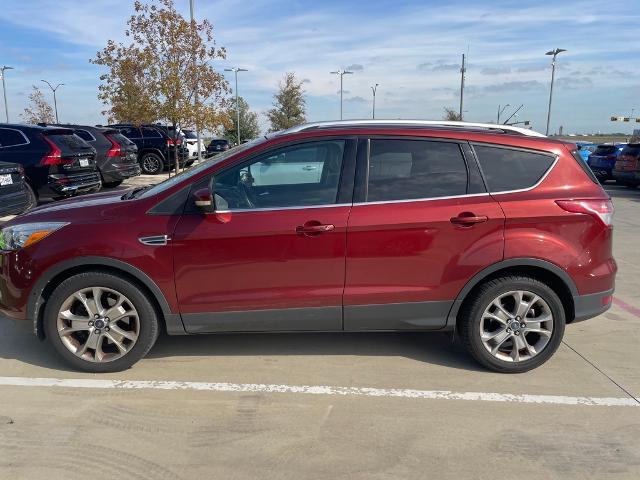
(155, 240)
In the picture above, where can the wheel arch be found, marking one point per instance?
(554, 276)
(142, 152)
(60, 272)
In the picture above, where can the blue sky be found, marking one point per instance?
(411, 48)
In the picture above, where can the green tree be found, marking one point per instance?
(163, 68)
(289, 104)
(249, 128)
(39, 110)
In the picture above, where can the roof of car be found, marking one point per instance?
(415, 124)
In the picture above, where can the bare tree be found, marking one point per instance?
(39, 110)
(451, 115)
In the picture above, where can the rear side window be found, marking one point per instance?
(85, 135)
(507, 169)
(11, 138)
(631, 151)
(151, 133)
(413, 169)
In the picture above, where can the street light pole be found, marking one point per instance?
(501, 111)
(463, 70)
(341, 73)
(55, 103)
(374, 89)
(4, 90)
(553, 74)
(195, 71)
(236, 70)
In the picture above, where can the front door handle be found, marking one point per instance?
(314, 228)
(467, 219)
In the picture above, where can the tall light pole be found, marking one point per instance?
(236, 70)
(501, 111)
(342, 73)
(553, 74)
(195, 71)
(55, 103)
(463, 70)
(374, 90)
(4, 90)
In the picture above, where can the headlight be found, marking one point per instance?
(20, 236)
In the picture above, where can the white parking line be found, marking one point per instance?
(316, 390)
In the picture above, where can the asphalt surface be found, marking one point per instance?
(375, 406)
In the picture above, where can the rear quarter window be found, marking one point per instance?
(507, 169)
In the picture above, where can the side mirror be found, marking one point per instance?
(204, 200)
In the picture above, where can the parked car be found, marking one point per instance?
(218, 145)
(627, 167)
(181, 139)
(116, 155)
(495, 232)
(156, 149)
(57, 163)
(585, 149)
(15, 196)
(191, 140)
(603, 159)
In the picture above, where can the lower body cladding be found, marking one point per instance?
(114, 172)
(60, 185)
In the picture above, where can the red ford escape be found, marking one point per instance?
(495, 233)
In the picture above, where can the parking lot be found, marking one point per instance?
(357, 406)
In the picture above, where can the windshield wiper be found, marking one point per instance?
(135, 192)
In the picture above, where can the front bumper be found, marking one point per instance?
(589, 306)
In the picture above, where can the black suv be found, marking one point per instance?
(116, 155)
(57, 163)
(15, 196)
(218, 145)
(155, 147)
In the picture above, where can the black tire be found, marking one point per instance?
(32, 197)
(114, 184)
(471, 314)
(148, 320)
(151, 164)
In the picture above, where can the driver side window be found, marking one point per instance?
(301, 175)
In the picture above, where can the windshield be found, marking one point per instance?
(605, 149)
(189, 134)
(161, 187)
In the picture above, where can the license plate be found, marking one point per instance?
(5, 180)
(84, 162)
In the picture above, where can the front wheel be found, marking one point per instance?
(512, 324)
(100, 322)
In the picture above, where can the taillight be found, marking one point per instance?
(602, 209)
(171, 142)
(54, 157)
(115, 150)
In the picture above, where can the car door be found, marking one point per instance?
(421, 226)
(273, 257)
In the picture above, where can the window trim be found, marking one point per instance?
(26, 142)
(93, 138)
(345, 183)
(160, 134)
(363, 189)
(517, 149)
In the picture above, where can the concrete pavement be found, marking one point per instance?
(151, 433)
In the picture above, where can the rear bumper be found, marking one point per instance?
(61, 186)
(627, 176)
(120, 171)
(14, 203)
(589, 306)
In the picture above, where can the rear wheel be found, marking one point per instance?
(512, 324)
(113, 184)
(100, 322)
(32, 199)
(151, 164)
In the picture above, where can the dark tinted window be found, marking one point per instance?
(506, 169)
(151, 133)
(631, 150)
(190, 134)
(85, 135)
(411, 169)
(10, 137)
(130, 132)
(71, 142)
(295, 176)
(118, 137)
(605, 149)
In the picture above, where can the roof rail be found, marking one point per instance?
(415, 123)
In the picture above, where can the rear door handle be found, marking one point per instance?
(466, 219)
(314, 228)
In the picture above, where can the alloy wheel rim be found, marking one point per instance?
(98, 324)
(516, 326)
(151, 164)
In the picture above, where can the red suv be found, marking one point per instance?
(496, 233)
